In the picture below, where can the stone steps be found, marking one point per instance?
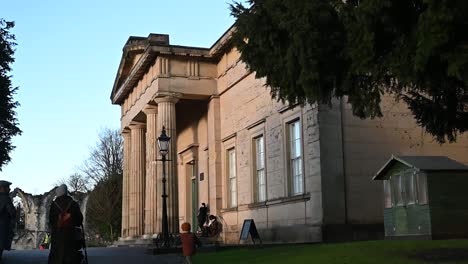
(137, 242)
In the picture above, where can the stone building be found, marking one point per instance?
(302, 173)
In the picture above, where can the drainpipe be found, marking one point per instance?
(343, 159)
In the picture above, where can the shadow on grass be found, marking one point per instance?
(441, 254)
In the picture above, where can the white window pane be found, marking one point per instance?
(233, 199)
(261, 186)
(300, 187)
(232, 164)
(260, 144)
(232, 177)
(292, 147)
(233, 192)
(298, 131)
(297, 148)
(295, 157)
(260, 159)
(398, 189)
(233, 185)
(422, 188)
(387, 194)
(261, 177)
(409, 187)
(299, 168)
(401, 185)
(297, 176)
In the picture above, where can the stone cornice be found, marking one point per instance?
(223, 43)
(229, 137)
(123, 86)
(256, 123)
(189, 147)
(158, 45)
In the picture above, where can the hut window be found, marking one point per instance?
(388, 194)
(422, 188)
(398, 189)
(410, 187)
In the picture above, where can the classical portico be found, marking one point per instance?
(154, 78)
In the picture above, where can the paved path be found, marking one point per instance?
(95, 256)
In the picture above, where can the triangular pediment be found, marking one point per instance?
(132, 51)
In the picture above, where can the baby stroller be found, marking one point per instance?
(80, 233)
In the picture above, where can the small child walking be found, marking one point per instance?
(189, 241)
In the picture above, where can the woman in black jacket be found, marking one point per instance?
(64, 219)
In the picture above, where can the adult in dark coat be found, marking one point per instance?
(64, 243)
(201, 218)
(7, 217)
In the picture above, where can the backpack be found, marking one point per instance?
(64, 219)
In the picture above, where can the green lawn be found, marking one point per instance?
(381, 252)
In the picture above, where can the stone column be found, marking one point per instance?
(137, 179)
(167, 118)
(214, 156)
(151, 225)
(125, 181)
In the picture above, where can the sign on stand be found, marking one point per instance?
(249, 228)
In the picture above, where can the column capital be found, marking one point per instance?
(125, 131)
(136, 125)
(150, 109)
(164, 99)
(167, 97)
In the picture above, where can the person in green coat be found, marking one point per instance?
(7, 217)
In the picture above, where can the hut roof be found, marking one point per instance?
(422, 163)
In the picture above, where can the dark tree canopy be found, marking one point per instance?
(311, 51)
(8, 123)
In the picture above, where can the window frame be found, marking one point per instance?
(398, 191)
(256, 182)
(388, 197)
(404, 186)
(230, 186)
(300, 184)
(410, 180)
(422, 191)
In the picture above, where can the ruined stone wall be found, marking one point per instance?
(36, 209)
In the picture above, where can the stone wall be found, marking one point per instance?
(247, 111)
(36, 209)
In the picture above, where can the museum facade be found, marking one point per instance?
(303, 173)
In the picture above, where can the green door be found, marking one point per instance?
(194, 198)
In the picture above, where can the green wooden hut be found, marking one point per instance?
(424, 197)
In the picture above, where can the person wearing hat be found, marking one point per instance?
(7, 217)
(64, 219)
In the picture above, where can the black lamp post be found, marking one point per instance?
(163, 142)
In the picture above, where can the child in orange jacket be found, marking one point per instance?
(189, 241)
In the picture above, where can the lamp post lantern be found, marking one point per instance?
(163, 143)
